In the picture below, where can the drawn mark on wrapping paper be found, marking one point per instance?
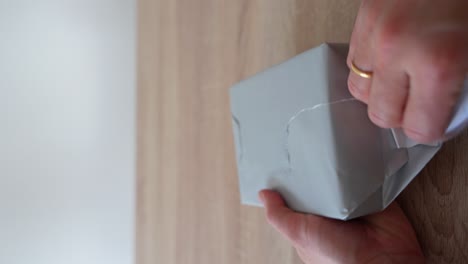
(239, 134)
(302, 111)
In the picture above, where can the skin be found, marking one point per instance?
(417, 51)
(385, 237)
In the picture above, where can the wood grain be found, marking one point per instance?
(436, 203)
(190, 53)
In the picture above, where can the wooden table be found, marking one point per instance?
(190, 53)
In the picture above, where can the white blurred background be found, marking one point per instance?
(67, 131)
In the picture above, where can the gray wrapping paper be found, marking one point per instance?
(297, 130)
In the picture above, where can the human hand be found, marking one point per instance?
(417, 52)
(385, 237)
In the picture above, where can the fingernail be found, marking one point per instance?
(415, 134)
(377, 119)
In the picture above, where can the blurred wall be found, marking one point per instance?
(67, 114)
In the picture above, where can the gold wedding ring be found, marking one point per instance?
(363, 74)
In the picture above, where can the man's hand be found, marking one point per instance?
(385, 237)
(417, 52)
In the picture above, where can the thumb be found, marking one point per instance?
(294, 226)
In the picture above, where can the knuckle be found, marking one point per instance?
(381, 64)
(388, 37)
(439, 64)
(387, 42)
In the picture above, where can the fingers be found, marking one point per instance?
(390, 82)
(359, 87)
(416, 79)
(387, 98)
(294, 226)
(393, 216)
(361, 50)
(435, 88)
(316, 239)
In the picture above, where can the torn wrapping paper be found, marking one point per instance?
(297, 130)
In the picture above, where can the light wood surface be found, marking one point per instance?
(190, 53)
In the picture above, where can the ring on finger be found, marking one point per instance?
(359, 72)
